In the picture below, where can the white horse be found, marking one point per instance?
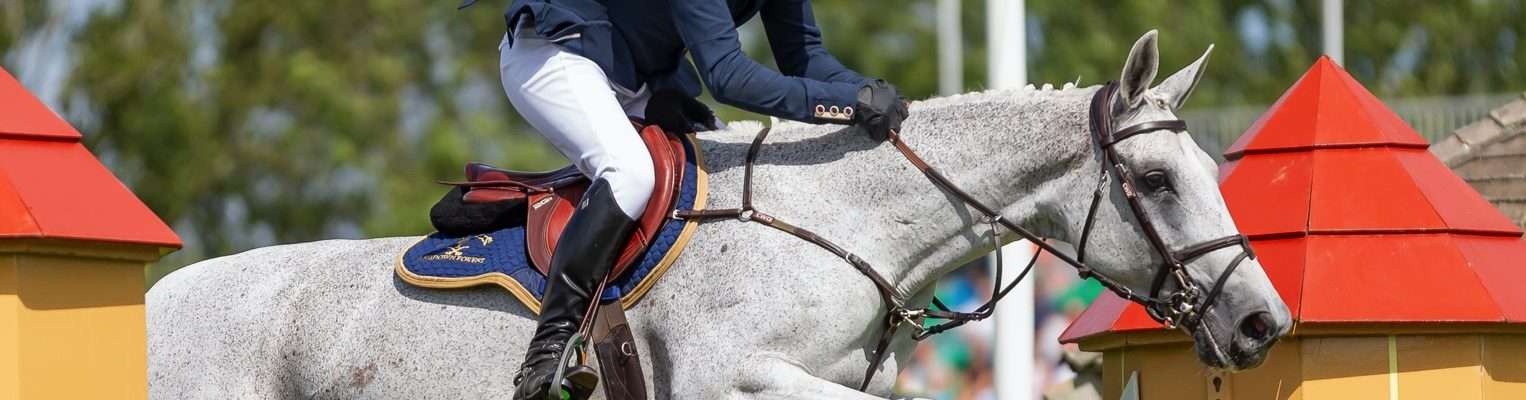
(748, 312)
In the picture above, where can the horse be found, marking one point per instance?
(750, 312)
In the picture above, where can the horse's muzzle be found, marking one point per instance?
(1254, 336)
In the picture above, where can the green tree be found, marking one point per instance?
(1416, 47)
(249, 123)
(1398, 48)
(12, 22)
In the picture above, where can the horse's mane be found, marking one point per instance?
(746, 129)
(1025, 93)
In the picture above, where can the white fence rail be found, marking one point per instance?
(1217, 128)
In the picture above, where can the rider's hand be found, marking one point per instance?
(677, 113)
(881, 108)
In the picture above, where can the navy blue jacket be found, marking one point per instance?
(643, 42)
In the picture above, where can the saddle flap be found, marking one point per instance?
(549, 212)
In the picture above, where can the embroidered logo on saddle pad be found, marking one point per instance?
(502, 257)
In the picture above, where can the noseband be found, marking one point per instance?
(1182, 308)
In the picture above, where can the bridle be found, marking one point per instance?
(1183, 308)
(1186, 306)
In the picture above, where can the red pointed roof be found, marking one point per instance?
(1325, 108)
(52, 187)
(1354, 221)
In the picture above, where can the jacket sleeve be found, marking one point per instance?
(710, 35)
(796, 43)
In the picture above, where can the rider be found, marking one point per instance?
(576, 69)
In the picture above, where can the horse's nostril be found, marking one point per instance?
(1257, 326)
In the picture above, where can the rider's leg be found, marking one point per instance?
(567, 98)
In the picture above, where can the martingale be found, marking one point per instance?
(1181, 308)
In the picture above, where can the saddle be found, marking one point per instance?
(550, 197)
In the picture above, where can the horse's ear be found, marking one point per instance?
(1180, 85)
(1139, 71)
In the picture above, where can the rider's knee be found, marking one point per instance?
(632, 183)
(640, 178)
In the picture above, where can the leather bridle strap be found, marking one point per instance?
(1174, 125)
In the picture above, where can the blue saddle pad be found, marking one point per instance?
(501, 257)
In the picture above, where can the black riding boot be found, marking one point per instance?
(585, 253)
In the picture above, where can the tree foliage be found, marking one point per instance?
(250, 123)
(247, 123)
(12, 22)
(1397, 48)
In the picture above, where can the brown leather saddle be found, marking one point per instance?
(552, 196)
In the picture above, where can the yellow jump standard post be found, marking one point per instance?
(74, 242)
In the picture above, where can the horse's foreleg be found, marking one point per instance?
(774, 376)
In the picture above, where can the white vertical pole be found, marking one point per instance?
(1012, 352)
(950, 48)
(1006, 27)
(1333, 33)
(1007, 38)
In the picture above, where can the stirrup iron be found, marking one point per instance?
(576, 381)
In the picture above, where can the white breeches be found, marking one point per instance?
(569, 100)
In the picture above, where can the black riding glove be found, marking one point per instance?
(881, 108)
(677, 113)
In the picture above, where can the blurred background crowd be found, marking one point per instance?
(252, 123)
(958, 365)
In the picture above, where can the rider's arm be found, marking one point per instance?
(709, 33)
(796, 42)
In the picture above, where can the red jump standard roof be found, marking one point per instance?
(1354, 220)
(52, 187)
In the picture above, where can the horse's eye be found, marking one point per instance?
(1157, 181)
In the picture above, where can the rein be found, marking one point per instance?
(1182, 308)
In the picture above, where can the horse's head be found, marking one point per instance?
(1177, 207)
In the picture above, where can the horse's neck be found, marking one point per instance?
(1013, 150)
(1020, 153)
